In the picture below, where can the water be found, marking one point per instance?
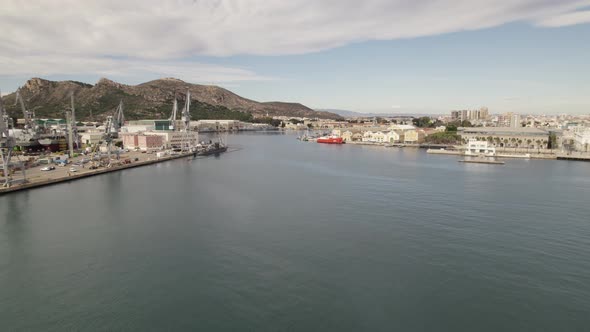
(286, 235)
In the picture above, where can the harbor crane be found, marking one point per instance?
(119, 119)
(7, 143)
(186, 124)
(29, 116)
(173, 115)
(72, 127)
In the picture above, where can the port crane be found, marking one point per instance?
(29, 116)
(72, 128)
(186, 124)
(119, 119)
(112, 128)
(7, 144)
(172, 118)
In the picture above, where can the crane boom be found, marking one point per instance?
(28, 116)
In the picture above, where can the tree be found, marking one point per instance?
(552, 141)
(422, 122)
(451, 127)
(466, 123)
(528, 144)
(445, 137)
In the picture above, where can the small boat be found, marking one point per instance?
(330, 140)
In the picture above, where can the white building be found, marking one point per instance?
(392, 137)
(479, 148)
(581, 136)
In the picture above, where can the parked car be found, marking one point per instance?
(73, 169)
(48, 168)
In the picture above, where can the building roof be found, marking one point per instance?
(504, 130)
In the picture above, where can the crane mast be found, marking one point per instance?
(6, 145)
(173, 115)
(28, 115)
(186, 122)
(119, 120)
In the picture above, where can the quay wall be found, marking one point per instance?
(47, 182)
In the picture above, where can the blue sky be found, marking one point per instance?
(529, 58)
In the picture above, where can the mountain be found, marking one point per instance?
(150, 100)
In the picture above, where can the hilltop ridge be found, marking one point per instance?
(151, 99)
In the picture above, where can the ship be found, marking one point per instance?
(54, 143)
(26, 140)
(330, 140)
(212, 148)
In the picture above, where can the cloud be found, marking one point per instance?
(573, 18)
(126, 37)
(39, 65)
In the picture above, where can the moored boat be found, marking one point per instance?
(330, 140)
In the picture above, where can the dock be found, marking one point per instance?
(481, 161)
(63, 175)
(574, 155)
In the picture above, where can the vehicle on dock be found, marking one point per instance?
(48, 168)
(73, 169)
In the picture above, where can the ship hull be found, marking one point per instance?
(330, 140)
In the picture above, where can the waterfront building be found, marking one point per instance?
(367, 136)
(581, 137)
(392, 136)
(142, 142)
(413, 136)
(91, 138)
(217, 125)
(174, 139)
(378, 137)
(479, 148)
(506, 137)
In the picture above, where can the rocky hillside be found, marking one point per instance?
(149, 100)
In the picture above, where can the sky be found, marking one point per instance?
(378, 56)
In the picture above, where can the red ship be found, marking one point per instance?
(330, 140)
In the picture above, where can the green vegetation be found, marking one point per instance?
(204, 111)
(452, 126)
(426, 122)
(422, 122)
(267, 120)
(552, 141)
(445, 137)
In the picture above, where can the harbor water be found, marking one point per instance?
(278, 234)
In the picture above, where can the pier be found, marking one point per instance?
(37, 178)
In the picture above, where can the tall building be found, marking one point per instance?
(471, 115)
(515, 121)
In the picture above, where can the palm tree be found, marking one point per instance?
(528, 144)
